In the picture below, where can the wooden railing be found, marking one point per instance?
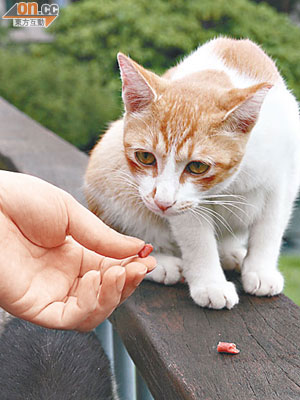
(170, 339)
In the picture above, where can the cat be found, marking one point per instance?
(39, 364)
(205, 165)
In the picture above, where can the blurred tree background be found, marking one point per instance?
(286, 6)
(72, 84)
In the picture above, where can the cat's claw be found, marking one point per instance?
(215, 296)
(167, 271)
(263, 283)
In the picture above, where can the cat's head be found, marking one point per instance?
(184, 139)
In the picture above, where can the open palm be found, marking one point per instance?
(56, 259)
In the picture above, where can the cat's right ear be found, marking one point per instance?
(137, 84)
(244, 107)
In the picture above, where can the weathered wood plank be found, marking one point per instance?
(28, 147)
(173, 342)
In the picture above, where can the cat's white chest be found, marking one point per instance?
(160, 236)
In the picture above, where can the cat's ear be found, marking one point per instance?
(244, 107)
(137, 84)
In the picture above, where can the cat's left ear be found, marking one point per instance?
(244, 107)
(139, 86)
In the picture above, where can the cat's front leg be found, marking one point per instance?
(260, 275)
(201, 265)
(168, 269)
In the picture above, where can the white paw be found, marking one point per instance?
(167, 271)
(233, 260)
(263, 283)
(215, 295)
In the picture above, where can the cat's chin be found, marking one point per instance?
(163, 214)
(167, 213)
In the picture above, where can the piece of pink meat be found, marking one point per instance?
(146, 250)
(225, 347)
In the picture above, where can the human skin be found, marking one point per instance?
(61, 267)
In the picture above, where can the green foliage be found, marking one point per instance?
(290, 267)
(64, 96)
(72, 85)
(281, 5)
(159, 32)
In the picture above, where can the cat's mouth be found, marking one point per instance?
(171, 210)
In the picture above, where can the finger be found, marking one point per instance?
(69, 314)
(135, 273)
(92, 233)
(88, 290)
(148, 262)
(109, 297)
(93, 261)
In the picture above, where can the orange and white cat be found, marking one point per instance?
(205, 165)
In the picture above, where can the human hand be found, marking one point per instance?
(55, 261)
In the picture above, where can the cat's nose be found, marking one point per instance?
(163, 205)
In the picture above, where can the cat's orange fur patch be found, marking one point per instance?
(247, 58)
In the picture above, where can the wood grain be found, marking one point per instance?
(28, 147)
(173, 342)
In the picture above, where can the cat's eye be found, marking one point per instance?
(145, 158)
(197, 167)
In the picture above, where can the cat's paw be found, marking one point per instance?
(262, 283)
(167, 271)
(214, 295)
(233, 260)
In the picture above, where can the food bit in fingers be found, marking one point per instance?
(230, 348)
(146, 250)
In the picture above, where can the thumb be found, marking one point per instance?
(92, 233)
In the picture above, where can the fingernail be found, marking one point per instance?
(140, 276)
(151, 268)
(143, 271)
(132, 239)
(120, 280)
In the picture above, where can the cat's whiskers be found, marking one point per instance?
(115, 173)
(220, 219)
(129, 183)
(201, 216)
(232, 212)
(135, 196)
(185, 206)
(227, 206)
(218, 199)
(209, 196)
(126, 174)
(125, 178)
(236, 204)
(216, 216)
